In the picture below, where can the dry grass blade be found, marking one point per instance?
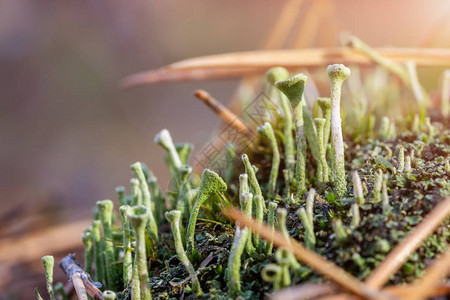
(164, 75)
(341, 296)
(305, 291)
(407, 291)
(398, 256)
(399, 291)
(433, 275)
(312, 259)
(238, 64)
(312, 58)
(330, 292)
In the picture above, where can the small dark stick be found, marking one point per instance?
(80, 279)
(224, 113)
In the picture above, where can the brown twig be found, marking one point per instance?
(222, 112)
(312, 259)
(80, 279)
(79, 286)
(398, 256)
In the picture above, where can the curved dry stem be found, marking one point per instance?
(433, 275)
(238, 64)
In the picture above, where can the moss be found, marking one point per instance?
(397, 178)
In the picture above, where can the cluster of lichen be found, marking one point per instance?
(348, 196)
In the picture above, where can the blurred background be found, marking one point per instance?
(68, 133)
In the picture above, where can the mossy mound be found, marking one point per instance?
(404, 171)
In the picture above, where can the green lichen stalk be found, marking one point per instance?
(231, 156)
(339, 231)
(36, 294)
(287, 183)
(48, 262)
(384, 128)
(243, 184)
(355, 215)
(138, 217)
(272, 76)
(120, 190)
(337, 75)
(210, 185)
(310, 238)
(325, 107)
(293, 89)
(271, 223)
(105, 208)
(310, 205)
(184, 150)
(267, 131)
(164, 139)
(136, 192)
(234, 261)
(146, 199)
(357, 188)
(185, 171)
(246, 202)
(378, 183)
(385, 197)
(174, 218)
(322, 166)
(259, 216)
(281, 216)
(401, 159)
(98, 251)
(251, 175)
(127, 257)
(86, 237)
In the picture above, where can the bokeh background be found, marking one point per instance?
(68, 133)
